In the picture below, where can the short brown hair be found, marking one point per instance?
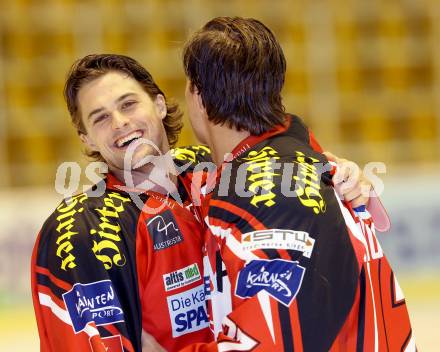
(93, 66)
(238, 67)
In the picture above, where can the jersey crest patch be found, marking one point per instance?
(96, 301)
(164, 231)
(279, 278)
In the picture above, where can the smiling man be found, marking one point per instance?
(104, 268)
(113, 110)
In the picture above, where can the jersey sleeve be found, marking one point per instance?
(78, 302)
(301, 132)
(379, 319)
(375, 206)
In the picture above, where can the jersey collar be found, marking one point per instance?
(252, 140)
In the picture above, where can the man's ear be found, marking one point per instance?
(199, 99)
(161, 106)
(85, 138)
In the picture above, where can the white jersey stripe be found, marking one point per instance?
(62, 314)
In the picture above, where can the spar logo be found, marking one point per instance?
(279, 278)
(96, 301)
(188, 311)
(181, 277)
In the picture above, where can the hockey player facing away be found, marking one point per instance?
(103, 269)
(292, 268)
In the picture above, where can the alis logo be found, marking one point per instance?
(181, 277)
(96, 301)
(173, 278)
(280, 278)
(164, 230)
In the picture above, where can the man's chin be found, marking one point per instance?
(142, 158)
(142, 162)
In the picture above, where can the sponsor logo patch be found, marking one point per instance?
(279, 239)
(280, 278)
(110, 343)
(164, 231)
(188, 311)
(181, 277)
(96, 301)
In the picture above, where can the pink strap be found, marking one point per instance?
(380, 217)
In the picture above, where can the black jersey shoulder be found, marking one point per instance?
(88, 229)
(278, 174)
(89, 241)
(190, 160)
(194, 154)
(297, 129)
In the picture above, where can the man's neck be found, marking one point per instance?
(159, 176)
(223, 140)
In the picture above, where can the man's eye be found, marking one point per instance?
(128, 104)
(100, 118)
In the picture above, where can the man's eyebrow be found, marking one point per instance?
(98, 110)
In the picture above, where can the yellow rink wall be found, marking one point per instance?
(365, 75)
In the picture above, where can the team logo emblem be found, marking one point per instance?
(164, 230)
(280, 278)
(96, 301)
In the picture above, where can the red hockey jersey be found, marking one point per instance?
(288, 267)
(103, 270)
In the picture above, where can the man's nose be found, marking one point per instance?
(119, 120)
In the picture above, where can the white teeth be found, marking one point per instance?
(122, 141)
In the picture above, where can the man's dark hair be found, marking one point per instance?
(94, 66)
(238, 67)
